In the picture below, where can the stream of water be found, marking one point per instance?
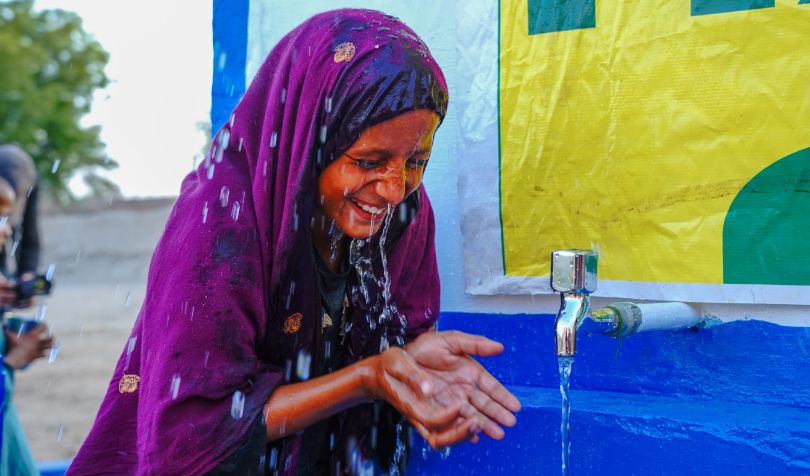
(564, 364)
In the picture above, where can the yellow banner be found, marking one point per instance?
(633, 127)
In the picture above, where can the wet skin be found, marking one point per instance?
(381, 168)
(432, 381)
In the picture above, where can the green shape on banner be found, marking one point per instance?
(548, 16)
(709, 7)
(766, 234)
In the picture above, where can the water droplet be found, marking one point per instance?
(53, 353)
(205, 211)
(55, 166)
(128, 299)
(327, 104)
(273, 140)
(41, 311)
(323, 134)
(239, 147)
(205, 359)
(235, 211)
(224, 195)
(49, 273)
(60, 432)
(175, 387)
(264, 169)
(225, 137)
(232, 119)
(444, 453)
(283, 95)
(237, 405)
(303, 363)
(210, 172)
(222, 60)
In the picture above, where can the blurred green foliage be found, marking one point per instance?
(49, 69)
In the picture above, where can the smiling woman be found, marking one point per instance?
(292, 292)
(374, 175)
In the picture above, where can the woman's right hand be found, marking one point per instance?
(396, 377)
(24, 349)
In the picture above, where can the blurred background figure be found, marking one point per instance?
(19, 255)
(22, 341)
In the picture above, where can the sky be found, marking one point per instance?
(160, 72)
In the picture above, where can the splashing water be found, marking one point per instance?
(224, 195)
(303, 365)
(336, 236)
(130, 348)
(237, 405)
(399, 450)
(175, 386)
(41, 311)
(53, 353)
(565, 364)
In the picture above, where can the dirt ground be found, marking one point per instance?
(101, 259)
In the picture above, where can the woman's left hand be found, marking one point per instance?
(445, 356)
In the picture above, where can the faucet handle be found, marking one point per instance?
(573, 271)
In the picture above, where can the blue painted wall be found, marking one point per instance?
(732, 399)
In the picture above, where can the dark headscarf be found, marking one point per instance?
(17, 168)
(232, 300)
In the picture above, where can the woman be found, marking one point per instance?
(297, 259)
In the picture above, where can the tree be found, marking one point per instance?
(49, 69)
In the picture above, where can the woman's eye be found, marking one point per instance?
(417, 164)
(367, 164)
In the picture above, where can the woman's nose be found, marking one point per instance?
(391, 184)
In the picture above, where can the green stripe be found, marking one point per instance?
(500, 158)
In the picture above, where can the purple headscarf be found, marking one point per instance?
(232, 297)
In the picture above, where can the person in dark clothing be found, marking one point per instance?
(19, 255)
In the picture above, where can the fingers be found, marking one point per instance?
(491, 409)
(496, 391)
(461, 343)
(465, 430)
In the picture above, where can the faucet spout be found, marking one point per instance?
(573, 275)
(573, 309)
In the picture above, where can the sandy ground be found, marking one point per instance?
(101, 260)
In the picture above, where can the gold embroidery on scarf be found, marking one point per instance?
(128, 383)
(326, 321)
(344, 52)
(293, 323)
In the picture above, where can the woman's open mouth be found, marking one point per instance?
(368, 211)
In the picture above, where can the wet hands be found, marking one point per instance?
(24, 349)
(397, 378)
(458, 381)
(445, 394)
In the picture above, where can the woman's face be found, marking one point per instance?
(381, 168)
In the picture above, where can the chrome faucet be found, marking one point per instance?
(573, 275)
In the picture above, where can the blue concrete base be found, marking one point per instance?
(627, 434)
(732, 400)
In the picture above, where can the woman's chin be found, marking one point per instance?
(360, 232)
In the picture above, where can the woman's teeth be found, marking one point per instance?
(369, 209)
